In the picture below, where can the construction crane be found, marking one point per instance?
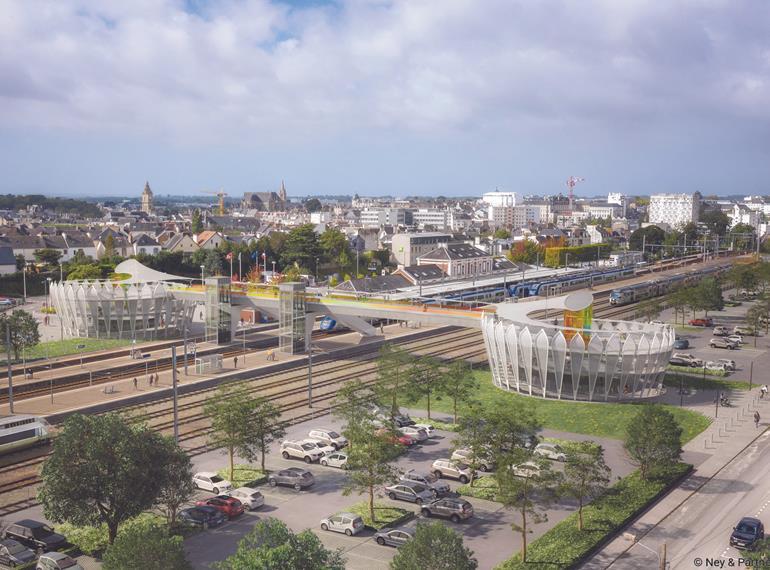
(571, 183)
(221, 194)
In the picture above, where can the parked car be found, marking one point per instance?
(401, 419)
(397, 438)
(412, 492)
(57, 561)
(681, 344)
(736, 338)
(745, 331)
(229, 506)
(211, 482)
(729, 364)
(429, 429)
(550, 451)
(463, 455)
(414, 432)
(322, 447)
(251, 498)
(394, 536)
(684, 359)
(704, 322)
(337, 459)
(298, 450)
(35, 535)
(526, 469)
(451, 469)
(747, 533)
(292, 477)
(204, 517)
(428, 480)
(328, 437)
(14, 553)
(449, 507)
(721, 342)
(349, 523)
(720, 331)
(715, 366)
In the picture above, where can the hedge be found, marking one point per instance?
(696, 371)
(564, 546)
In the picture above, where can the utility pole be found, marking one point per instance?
(184, 328)
(663, 558)
(310, 375)
(8, 361)
(173, 388)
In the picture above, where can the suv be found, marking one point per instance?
(35, 535)
(299, 450)
(451, 508)
(320, 446)
(682, 359)
(747, 533)
(720, 331)
(211, 482)
(466, 455)
(728, 364)
(251, 498)
(412, 492)
(414, 432)
(328, 437)
(550, 451)
(427, 480)
(719, 342)
(704, 322)
(746, 331)
(225, 504)
(401, 419)
(292, 477)
(448, 468)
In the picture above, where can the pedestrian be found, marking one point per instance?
(201, 315)
(382, 328)
(235, 362)
(136, 384)
(763, 391)
(756, 419)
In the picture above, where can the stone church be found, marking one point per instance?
(265, 201)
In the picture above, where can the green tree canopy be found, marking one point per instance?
(102, 470)
(502, 233)
(177, 487)
(716, 221)
(426, 381)
(197, 222)
(47, 255)
(313, 205)
(25, 330)
(653, 439)
(586, 475)
(526, 251)
(230, 410)
(142, 547)
(393, 373)
(85, 272)
(270, 545)
(460, 384)
(651, 235)
(434, 547)
(301, 247)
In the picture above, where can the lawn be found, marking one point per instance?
(244, 475)
(699, 383)
(384, 514)
(597, 419)
(695, 371)
(483, 488)
(55, 348)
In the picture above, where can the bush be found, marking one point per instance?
(93, 540)
(695, 371)
(146, 546)
(564, 545)
(438, 424)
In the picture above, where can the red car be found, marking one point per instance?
(226, 505)
(707, 322)
(398, 438)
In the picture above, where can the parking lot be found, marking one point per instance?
(488, 533)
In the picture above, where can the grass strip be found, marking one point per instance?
(385, 515)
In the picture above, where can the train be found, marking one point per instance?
(658, 287)
(20, 431)
(327, 324)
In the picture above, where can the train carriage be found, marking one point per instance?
(22, 431)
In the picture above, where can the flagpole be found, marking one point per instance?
(240, 267)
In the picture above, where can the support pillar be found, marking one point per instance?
(292, 336)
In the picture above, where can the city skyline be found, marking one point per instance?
(383, 98)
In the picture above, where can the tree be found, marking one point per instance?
(708, 295)
(48, 256)
(24, 327)
(434, 547)
(509, 425)
(140, 547)
(264, 427)
(197, 224)
(335, 247)
(354, 404)
(649, 309)
(459, 384)
(716, 221)
(742, 236)
(679, 301)
(230, 410)
(85, 272)
(301, 247)
(102, 470)
(425, 380)
(651, 235)
(653, 439)
(473, 433)
(526, 251)
(754, 318)
(502, 233)
(177, 487)
(393, 373)
(109, 246)
(529, 495)
(586, 475)
(313, 205)
(270, 545)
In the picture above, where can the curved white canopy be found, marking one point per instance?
(143, 274)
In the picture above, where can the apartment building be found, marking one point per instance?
(675, 210)
(408, 247)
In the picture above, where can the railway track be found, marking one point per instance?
(19, 479)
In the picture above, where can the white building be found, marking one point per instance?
(439, 219)
(624, 258)
(407, 248)
(499, 198)
(514, 216)
(383, 217)
(603, 210)
(675, 210)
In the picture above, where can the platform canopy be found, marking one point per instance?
(142, 274)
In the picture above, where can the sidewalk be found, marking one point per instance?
(729, 434)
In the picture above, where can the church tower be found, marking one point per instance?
(147, 199)
(282, 195)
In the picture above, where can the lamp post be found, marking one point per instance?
(273, 269)
(61, 272)
(24, 280)
(310, 374)
(203, 267)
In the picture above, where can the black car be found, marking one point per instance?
(14, 553)
(746, 533)
(35, 535)
(203, 516)
(681, 343)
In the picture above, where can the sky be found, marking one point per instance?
(399, 97)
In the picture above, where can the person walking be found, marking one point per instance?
(763, 391)
(756, 419)
(136, 384)
(235, 362)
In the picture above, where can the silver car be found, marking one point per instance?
(349, 523)
(448, 468)
(337, 459)
(394, 536)
(292, 477)
(463, 455)
(412, 492)
(428, 480)
(418, 433)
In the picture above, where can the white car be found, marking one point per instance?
(729, 364)
(211, 482)
(308, 452)
(251, 498)
(349, 523)
(429, 429)
(464, 456)
(735, 338)
(324, 449)
(417, 433)
(715, 366)
(56, 561)
(527, 469)
(337, 459)
(550, 451)
(328, 437)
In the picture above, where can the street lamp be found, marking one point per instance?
(203, 267)
(24, 279)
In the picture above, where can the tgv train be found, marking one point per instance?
(21, 431)
(641, 291)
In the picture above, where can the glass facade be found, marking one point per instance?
(218, 310)
(291, 332)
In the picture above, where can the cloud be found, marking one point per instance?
(240, 71)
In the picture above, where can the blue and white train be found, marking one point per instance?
(20, 431)
(658, 287)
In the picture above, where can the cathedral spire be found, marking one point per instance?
(282, 193)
